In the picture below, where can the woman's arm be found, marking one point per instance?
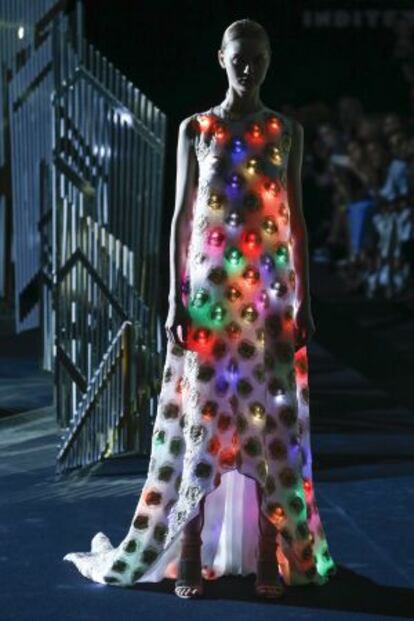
(297, 220)
(186, 185)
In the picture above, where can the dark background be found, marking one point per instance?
(169, 51)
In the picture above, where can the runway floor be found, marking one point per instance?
(362, 439)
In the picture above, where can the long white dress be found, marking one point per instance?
(233, 408)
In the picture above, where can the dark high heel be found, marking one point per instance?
(189, 582)
(268, 582)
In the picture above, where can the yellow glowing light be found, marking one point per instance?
(214, 201)
(205, 122)
(269, 225)
(258, 411)
(275, 155)
(249, 313)
(252, 166)
(260, 334)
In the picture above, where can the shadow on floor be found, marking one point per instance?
(347, 591)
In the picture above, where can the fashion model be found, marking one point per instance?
(229, 488)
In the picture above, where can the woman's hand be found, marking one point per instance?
(304, 325)
(176, 324)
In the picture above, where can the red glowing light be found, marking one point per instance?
(301, 363)
(277, 514)
(208, 573)
(200, 340)
(205, 122)
(233, 330)
(235, 441)
(216, 237)
(307, 486)
(255, 134)
(227, 457)
(251, 275)
(251, 243)
(214, 445)
(233, 293)
(209, 410)
(252, 239)
(273, 124)
(289, 313)
(271, 187)
(202, 336)
(220, 132)
(255, 130)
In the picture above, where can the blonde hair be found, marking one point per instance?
(245, 28)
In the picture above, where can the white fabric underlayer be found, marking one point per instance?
(229, 534)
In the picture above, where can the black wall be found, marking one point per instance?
(169, 50)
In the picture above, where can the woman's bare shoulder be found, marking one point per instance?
(186, 126)
(189, 126)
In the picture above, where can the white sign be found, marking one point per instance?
(354, 18)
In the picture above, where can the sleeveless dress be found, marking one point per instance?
(233, 409)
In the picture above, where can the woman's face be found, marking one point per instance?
(246, 61)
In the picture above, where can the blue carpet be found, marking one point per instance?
(364, 474)
(362, 438)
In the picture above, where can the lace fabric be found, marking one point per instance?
(233, 410)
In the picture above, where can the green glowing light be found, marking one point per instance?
(234, 260)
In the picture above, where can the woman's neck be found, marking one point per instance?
(241, 105)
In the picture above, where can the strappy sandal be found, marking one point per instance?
(268, 581)
(189, 583)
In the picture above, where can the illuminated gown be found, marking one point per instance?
(233, 409)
